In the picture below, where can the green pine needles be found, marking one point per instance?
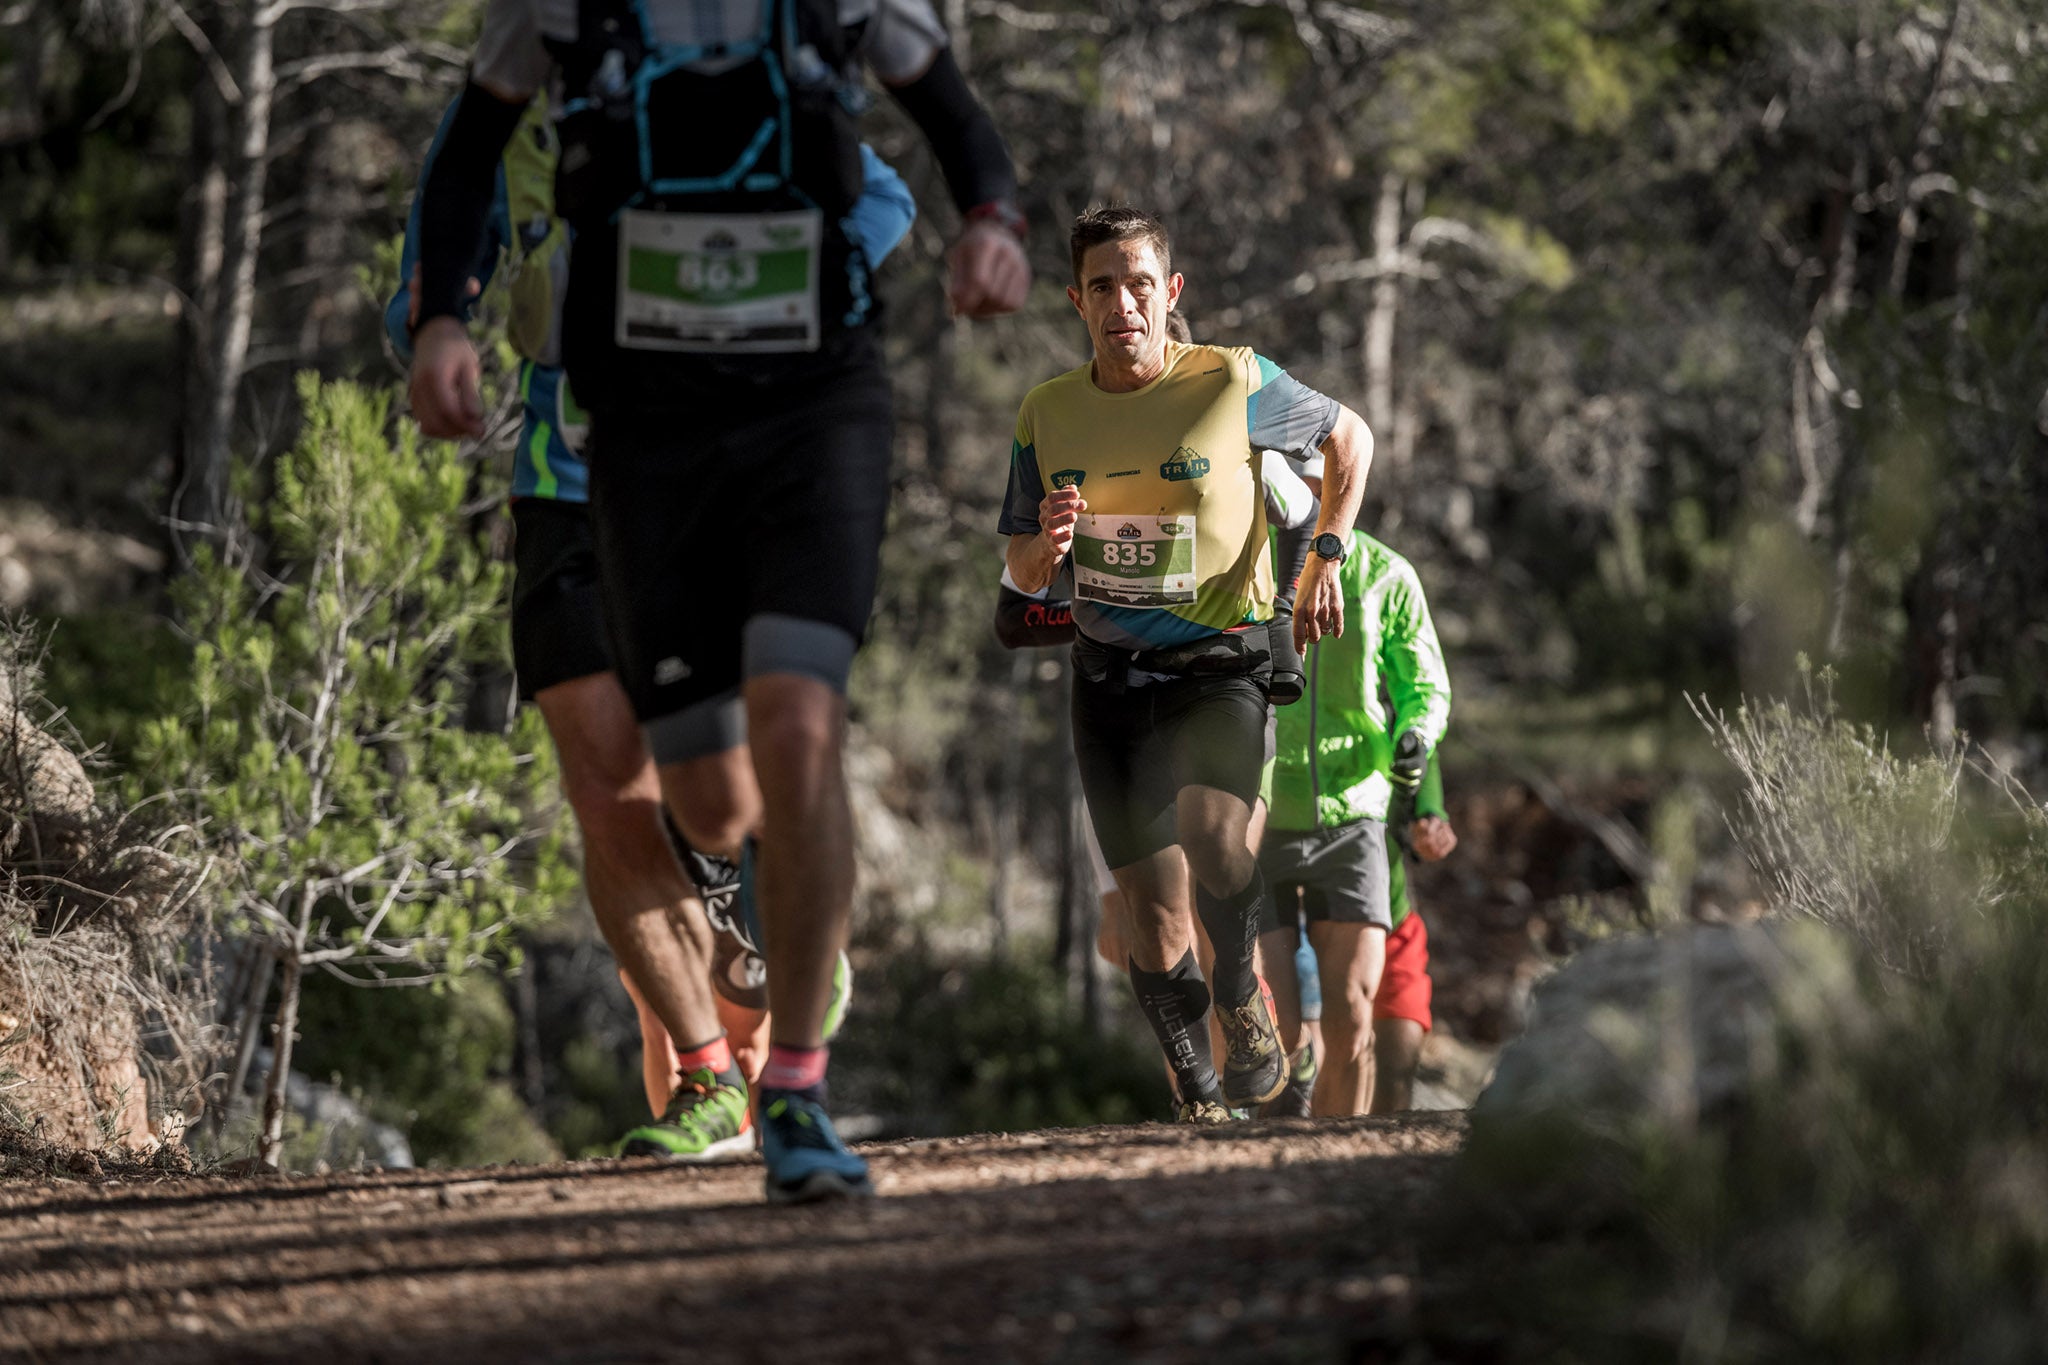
(317, 747)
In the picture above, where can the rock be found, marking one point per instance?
(39, 776)
(1673, 1028)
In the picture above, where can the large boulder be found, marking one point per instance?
(1672, 1029)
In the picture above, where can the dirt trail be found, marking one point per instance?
(1277, 1241)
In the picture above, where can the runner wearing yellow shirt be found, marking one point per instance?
(1138, 476)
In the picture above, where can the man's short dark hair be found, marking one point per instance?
(1118, 223)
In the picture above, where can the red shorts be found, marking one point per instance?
(1404, 984)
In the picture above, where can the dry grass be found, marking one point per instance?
(102, 1021)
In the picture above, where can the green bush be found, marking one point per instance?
(433, 1063)
(314, 744)
(1885, 1195)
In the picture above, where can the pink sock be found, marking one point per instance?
(794, 1068)
(716, 1054)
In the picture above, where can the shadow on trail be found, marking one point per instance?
(1260, 1257)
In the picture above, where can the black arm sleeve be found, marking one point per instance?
(963, 137)
(455, 199)
(1290, 556)
(1025, 622)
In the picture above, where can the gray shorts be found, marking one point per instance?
(1341, 873)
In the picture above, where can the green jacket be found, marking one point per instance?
(1335, 747)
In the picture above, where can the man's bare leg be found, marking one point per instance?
(643, 904)
(797, 728)
(714, 800)
(747, 1030)
(1349, 959)
(1159, 934)
(1396, 1052)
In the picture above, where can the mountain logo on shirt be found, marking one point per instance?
(1129, 531)
(1185, 464)
(1068, 478)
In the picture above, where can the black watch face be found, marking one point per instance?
(1330, 546)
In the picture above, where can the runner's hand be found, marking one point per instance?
(444, 390)
(1318, 602)
(987, 272)
(1058, 511)
(1432, 838)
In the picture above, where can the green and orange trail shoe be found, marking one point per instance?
(1256, 1068)
(1202, 1113)
(807, 1163)
(842, 995)
(707, 1118)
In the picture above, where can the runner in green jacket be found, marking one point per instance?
(1340, 772)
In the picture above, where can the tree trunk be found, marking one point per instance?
(1090, 906)
(272, 1148)
(201, 220)
(293, 960)
(262, 967)
(1009, 795)
(1386, 303)
(203, 501)
(939, 381)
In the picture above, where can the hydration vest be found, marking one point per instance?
(755, 129)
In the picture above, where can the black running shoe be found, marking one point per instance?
(1293, 1100)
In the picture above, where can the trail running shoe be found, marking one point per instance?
(842, 995)
(806, 1160)
(1201, 1112)
(1256, 1068)
(706, 1119)
(1293, 1100)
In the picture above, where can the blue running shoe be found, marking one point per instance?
(806, 1160)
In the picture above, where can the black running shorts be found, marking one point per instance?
(1139, 746)
(727, 500)
(557, 620)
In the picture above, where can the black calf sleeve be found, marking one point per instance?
(1233, 925)
(711, 872)
(1176, 1004)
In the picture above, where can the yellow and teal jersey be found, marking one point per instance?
(1173, 545)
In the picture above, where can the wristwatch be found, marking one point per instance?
(1331, 547)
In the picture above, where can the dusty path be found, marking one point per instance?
(1277, 1241)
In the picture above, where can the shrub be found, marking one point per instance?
(316, 745)
(1884, 1195)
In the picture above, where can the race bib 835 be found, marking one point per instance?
(1133, 561)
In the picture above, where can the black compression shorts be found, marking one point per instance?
(1137, 747)
(739, 530)
(557, 619)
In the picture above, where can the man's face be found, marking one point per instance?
(1124, 296)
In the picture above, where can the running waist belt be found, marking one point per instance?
(1231, 653)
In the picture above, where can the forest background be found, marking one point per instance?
(1697, 335)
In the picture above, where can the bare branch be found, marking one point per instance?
(397, 61)
(216, 67)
